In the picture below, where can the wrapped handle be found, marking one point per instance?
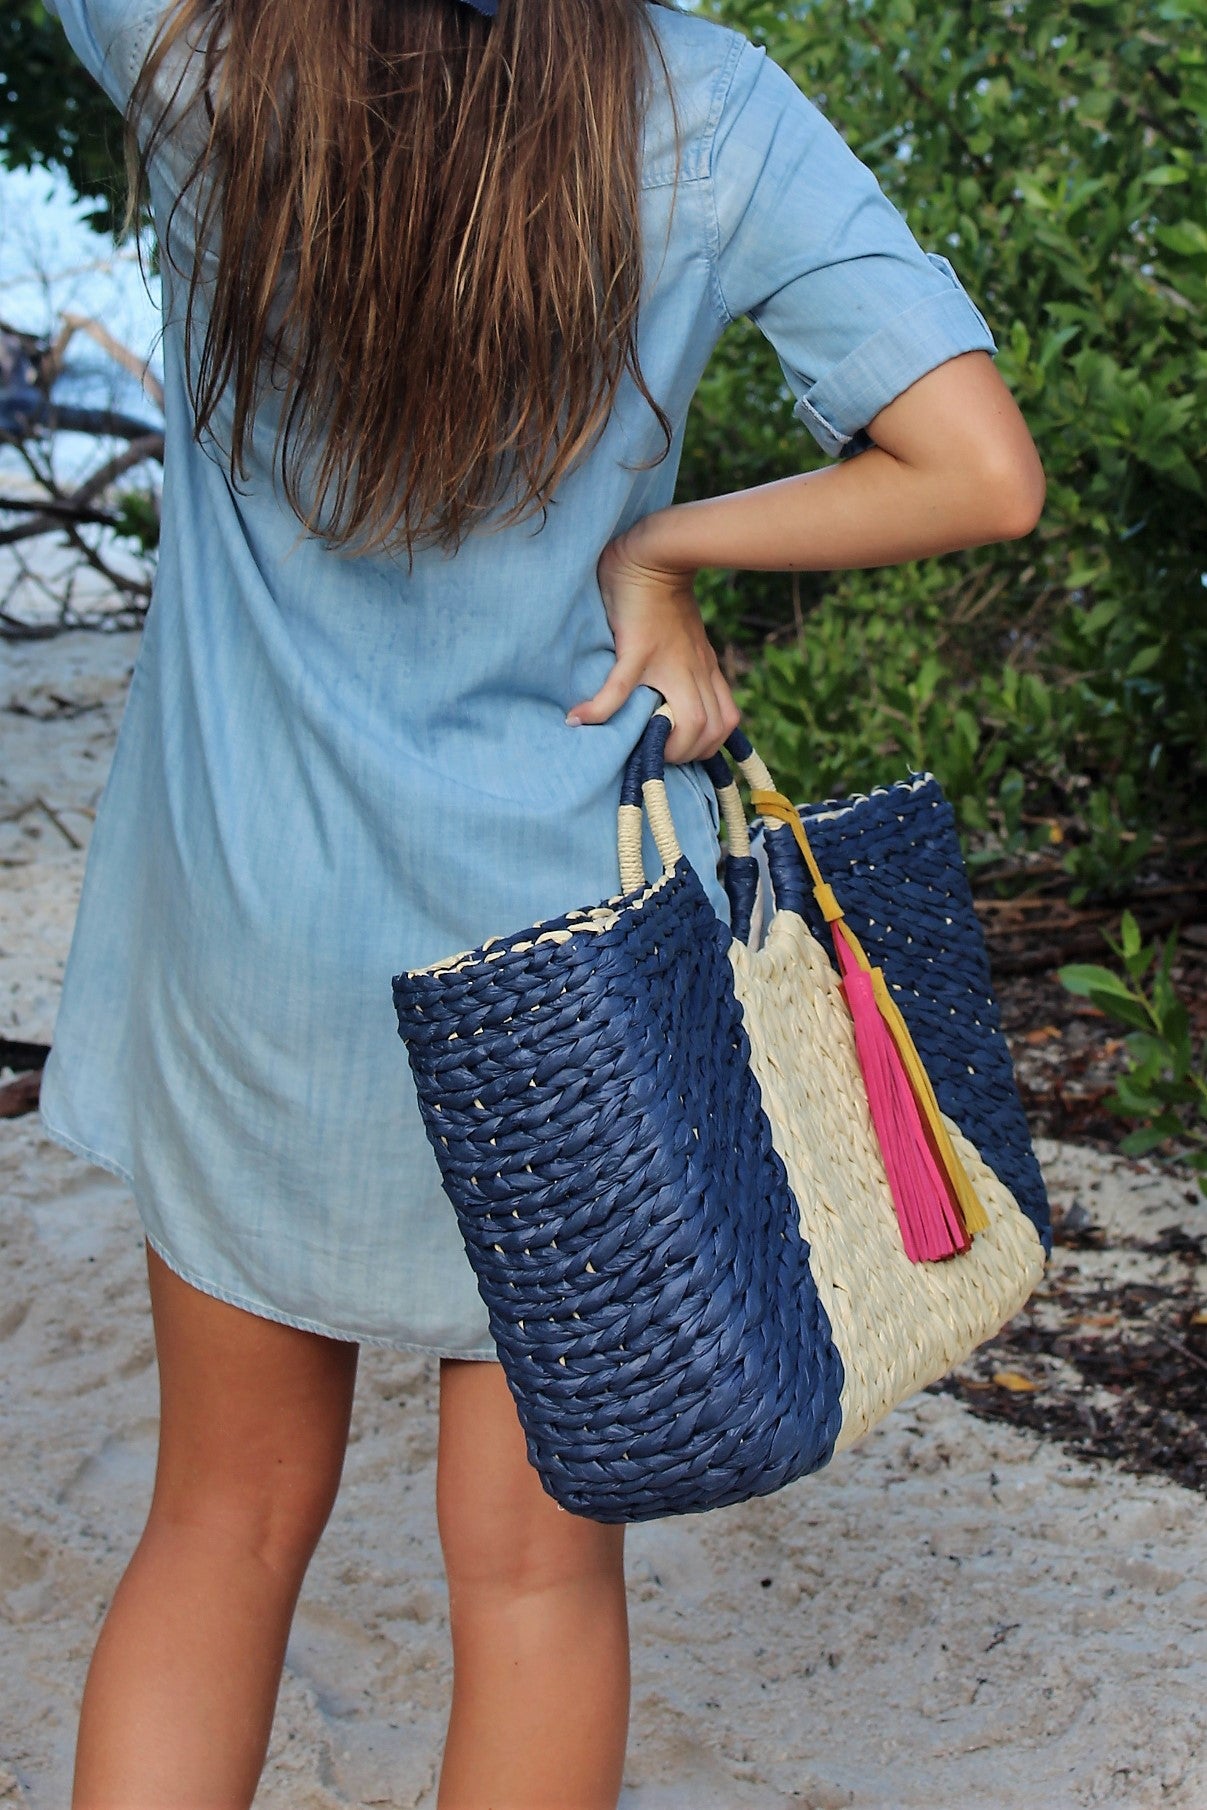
(643, 792)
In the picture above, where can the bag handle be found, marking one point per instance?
(794, 872)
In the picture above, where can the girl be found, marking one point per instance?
(438, 284)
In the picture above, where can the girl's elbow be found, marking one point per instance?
(1019, 488)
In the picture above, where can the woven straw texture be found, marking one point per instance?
(658, 1143)
(894, 858)
(594, 1111)
(899, 1325)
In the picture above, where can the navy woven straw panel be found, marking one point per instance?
(894, 859)
(634, 1236)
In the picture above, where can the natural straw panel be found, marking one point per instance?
(898, 1325)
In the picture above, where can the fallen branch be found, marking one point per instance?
(73, 506)
(119, 353)
(57, 417)
(50, 511)
(1031, 935)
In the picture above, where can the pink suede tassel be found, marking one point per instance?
(931, 1226)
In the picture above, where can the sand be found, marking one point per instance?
(954, 1615)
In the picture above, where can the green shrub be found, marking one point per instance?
(1165, 1086)
(1056, 156)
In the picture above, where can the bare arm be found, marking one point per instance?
(953, 466)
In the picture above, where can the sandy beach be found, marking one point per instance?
(957, 1614)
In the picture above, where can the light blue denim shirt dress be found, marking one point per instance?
(332, 768)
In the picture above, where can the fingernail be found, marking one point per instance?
(575, 721)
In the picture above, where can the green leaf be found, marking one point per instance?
(1122, 1007)
(1136, 1102)
(1146, 1046)
(1145, 660)
(1174, 1025)
(1181, 1091)
(1139, 1143)
(1187, 237)
(1129, 930)
(1102, 614)
(1083, 977)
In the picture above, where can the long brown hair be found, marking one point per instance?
(422, 233)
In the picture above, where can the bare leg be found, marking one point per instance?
(539, 1623)
(254, 1421)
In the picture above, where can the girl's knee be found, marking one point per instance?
(499, 1529)
(275, 1517)
(528, 1557)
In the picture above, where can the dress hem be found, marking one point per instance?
(261, 1309)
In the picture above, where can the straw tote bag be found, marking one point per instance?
(717, 1213)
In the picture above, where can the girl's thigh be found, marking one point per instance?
(254, 1417)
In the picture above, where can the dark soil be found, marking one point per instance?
(1121, 1375)
(1112, 1369)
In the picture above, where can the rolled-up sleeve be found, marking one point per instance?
(807, 244)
